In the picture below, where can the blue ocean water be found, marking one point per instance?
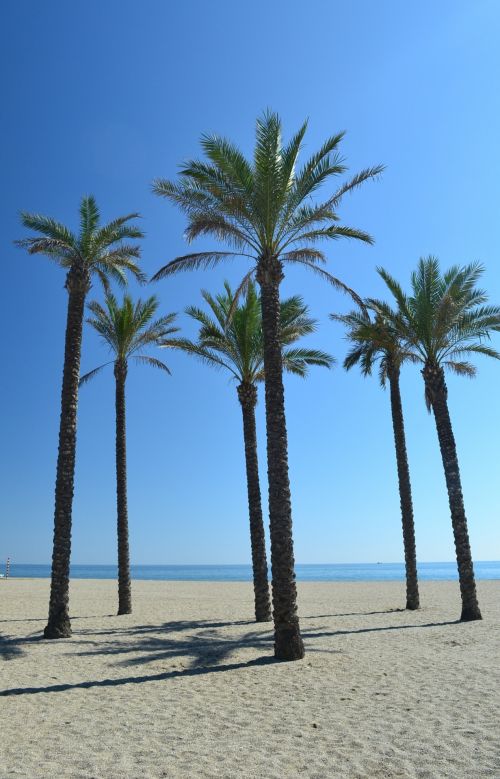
(337, 572)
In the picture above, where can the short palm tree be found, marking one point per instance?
(443, 322)
(127, 330)
(262, 209)
(101, 251)
(374, 341)
(232, 339)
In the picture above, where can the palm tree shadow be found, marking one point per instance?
(12, 648)
(200, 643)
(44, 619)
(383, 628)
(259, 661)
(352, 614)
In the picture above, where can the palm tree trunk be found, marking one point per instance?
(59, 625)
(247, 394)
(288, 643)
(412, 596)
(437, 397)
(124, 586)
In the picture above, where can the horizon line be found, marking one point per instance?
(249, 564)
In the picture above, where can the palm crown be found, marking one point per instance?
(128, 329)
(263, 208)
(232, 338)
(445, 320)
(373, 340)
(100, 249)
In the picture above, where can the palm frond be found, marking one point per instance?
(356, 181)
(144, 359)
(241, 289)
(49, 227)
(99, 250)
(56, 250)
(204, 353)
(220, 227)
(308, 254)
(297, 360)
(336, 283)
(261, 207)
(228, 158)
(334, 233)
(202, 260)
(129, 327)
(90, 375)
(89, 220)
(461, 368)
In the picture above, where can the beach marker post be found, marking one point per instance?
(7, 568)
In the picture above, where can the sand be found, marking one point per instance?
(186, 686)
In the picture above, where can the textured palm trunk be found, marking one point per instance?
(437, 396)
(247, 394)
(59, 625)
(124, 586)
(288, 643)
(412, 596)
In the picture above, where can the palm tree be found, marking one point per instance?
(374, 341)
(443, 322)
(262, 210)
(100, 251)
(232, 340)
(127, 330)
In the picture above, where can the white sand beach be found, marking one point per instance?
(186, 686)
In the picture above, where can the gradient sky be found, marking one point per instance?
(102, 97)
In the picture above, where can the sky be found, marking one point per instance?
(102, 98)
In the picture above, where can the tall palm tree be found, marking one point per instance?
(100, 251)
(262, 209)
(374, 341)
(231, 339)
(443, 322)
(127, 330)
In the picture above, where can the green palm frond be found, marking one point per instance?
(261, 207)
(99, 250)
(373, 340)
(228, 158)
(49, 228)
(128, 328)
(89, 220)
(90, 375)
(202, 260)
(218, 226)
(336, 283)
(230, 335)
(355, 182)
(117, 231)
(206, 354)
(306, 254)
(334, 232)
(144, 359)
(242, 289)
(445, 318)
(297, 361)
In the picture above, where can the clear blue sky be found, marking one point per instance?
(103, 97)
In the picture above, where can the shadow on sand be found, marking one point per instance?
(199, 643)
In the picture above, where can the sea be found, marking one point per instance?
(332, 572)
